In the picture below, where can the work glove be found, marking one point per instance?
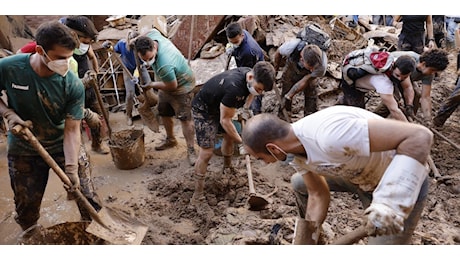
(71, 170)
(246, 114)
(89, 79)
(229, 49)
(383, 220)
(13, 119)
(92, 118)
(395, 196)
(409, 111)
(241, 149)
(107, 45)
(135, 80)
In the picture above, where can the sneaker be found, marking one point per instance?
(129, 121)
(166, 144)
(101, 149)
(191, 156)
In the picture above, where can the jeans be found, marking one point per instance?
(340, 184)
(448, 107)
(130, 88)
(451, 27)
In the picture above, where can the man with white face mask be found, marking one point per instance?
(175, 81)
(349, 149)
(214, 107)
(43, 96)
(85, 33)
(247, 53)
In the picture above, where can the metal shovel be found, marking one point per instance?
(108, 224)
(256, 201)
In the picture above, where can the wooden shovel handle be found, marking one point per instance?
(252, 190)
(29, 136)
(351, 237)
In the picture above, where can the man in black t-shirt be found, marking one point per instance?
(214, 107)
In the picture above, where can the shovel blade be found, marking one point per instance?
(257, 203)
(148, 117)
(121, 228)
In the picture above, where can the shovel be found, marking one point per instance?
(351, 237)
(108, 224)
(256, 202)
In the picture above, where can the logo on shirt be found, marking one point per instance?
(19, 87)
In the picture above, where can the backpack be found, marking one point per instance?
(312, 34)
(369, 60)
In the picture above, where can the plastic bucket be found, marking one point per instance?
(127, 148)
(68, 233)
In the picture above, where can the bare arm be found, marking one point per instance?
(72, 139)
(166, 86)
(318, 197)
(408, 91)
(425, 101)
(278, 60)
(411, 139)
(429, 31)
(226, 116)
(299, 86)
(93, 59)
(390, 102)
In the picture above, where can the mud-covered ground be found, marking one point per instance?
(158, 192)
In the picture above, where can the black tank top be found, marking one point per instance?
(83, 65)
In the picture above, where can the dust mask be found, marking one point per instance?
(60, 66)
(149, 63)
(82, 49)
(252, 90)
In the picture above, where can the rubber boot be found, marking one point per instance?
(198, 194)
(306, 232)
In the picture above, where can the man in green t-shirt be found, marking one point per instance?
(174, 80)
(43, 96)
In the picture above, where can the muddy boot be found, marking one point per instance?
(198, 195)
(228, 169)
(169, 142)
(100, 148)
(191, 156)
(96, 141)
(306, 232)
(129, 120)
(33, 235)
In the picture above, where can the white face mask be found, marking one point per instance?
(149, 63)
(60, 66)
(252, 90)
(82, 49)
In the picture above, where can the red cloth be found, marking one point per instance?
(29, 47)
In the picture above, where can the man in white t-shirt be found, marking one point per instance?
(349, 149)
(383, 84)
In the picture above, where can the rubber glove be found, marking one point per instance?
(241, 149)
(71, 171)
(383, 220)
